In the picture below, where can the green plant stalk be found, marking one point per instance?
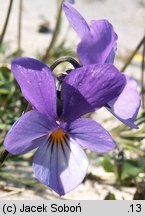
(133, 54)
(65, 59)
(55, 34)
(3, 157)
(20, 27)
(6, 22)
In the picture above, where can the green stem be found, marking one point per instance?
(133, 54)
(3, 157)
(55, 34)
(65, 59)
(6, 22)
(20, 26)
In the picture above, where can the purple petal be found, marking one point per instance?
(111, 57)
(89, 134)
(97, 46)
(125, 107)
(37, 84)
(71, 1)
(29, 132)
(62, 167)
(88, 88)
(76, 20)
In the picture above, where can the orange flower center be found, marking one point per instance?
(58, 136)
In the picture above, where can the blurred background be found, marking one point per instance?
(39, 29)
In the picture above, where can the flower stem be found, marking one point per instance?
(133, 54)
(55, 34)
(65, 59)
(3, 157)
(6, 22)
(19, 27)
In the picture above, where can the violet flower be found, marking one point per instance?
(98, 46)
(60, 161)
(71, 1)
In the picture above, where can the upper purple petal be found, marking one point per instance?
(76, 20)
(29, 132)
(99, 45)
(37, 84)
(89, 134)
(125, 107)
(71, 1)
(112, 54)
(98, 41)
(88, 88)
(62, 167)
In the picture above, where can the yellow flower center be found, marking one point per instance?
(58, 136)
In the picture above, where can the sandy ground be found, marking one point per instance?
(128, 19)
(94, 189)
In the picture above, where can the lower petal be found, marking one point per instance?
(89, 134)
(29, 132)
(62, 167)
(125, 107)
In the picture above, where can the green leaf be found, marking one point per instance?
(107, 165)
(110, 196)
(130, 169)
(7, 176)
